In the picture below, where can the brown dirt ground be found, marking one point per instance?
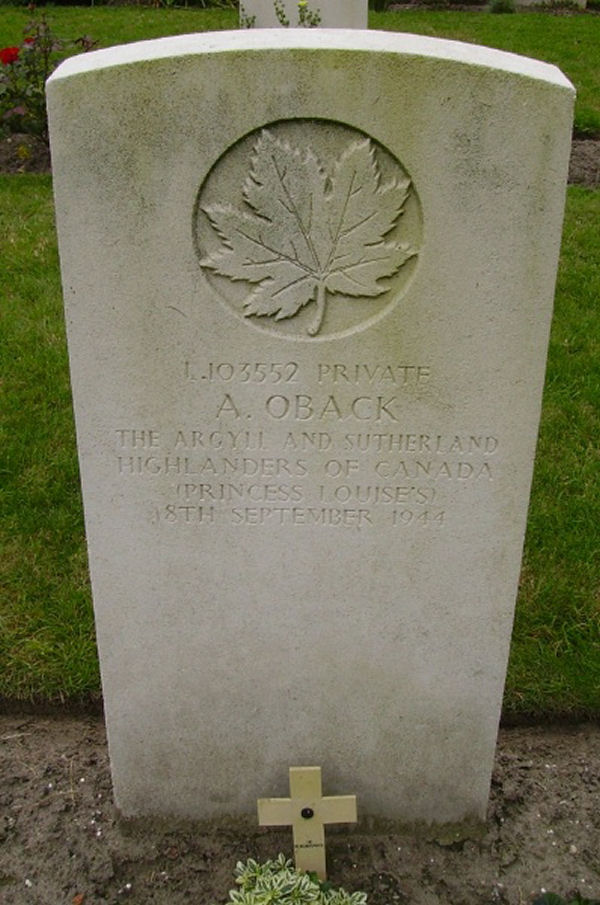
(28, 154)
(63, 843)
(21, 153)
(584, 167)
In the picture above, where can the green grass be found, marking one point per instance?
(47, 648)
(116, 24)
(46, 629)
(555, 659)
(572, 42)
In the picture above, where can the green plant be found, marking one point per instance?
(280, 13)
(307, 18)
(22, 78)
(23, 74)
(551, 898)
(246, 21)
(279, 882)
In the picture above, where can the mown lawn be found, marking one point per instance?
(555, 658)
(46, 628)
(47, 648)
(570, 41)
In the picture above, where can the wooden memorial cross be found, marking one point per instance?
(307, 812)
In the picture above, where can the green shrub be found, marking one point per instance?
(23, 74)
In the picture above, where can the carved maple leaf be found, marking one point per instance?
(303, 233)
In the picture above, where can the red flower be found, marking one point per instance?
(29, 41)
(9, 55)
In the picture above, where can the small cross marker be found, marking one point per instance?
(307, 812)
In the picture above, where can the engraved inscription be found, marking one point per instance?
(245, 372)
(401, 375)
(307, 224)
(365, 466)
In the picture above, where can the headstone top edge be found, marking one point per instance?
(400, 43)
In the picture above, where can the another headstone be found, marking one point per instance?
(307, 326)
(307, 811)
(304, 13)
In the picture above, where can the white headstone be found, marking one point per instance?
(304, 13)
(307, 327)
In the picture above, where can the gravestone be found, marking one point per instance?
(307, 13)
(307, 328)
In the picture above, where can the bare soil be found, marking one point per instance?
(584, 167)
(62, 841)
(20, 153)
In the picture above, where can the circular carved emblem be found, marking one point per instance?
(308, 228)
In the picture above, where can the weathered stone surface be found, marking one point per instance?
(308, 279)
(311, 13)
